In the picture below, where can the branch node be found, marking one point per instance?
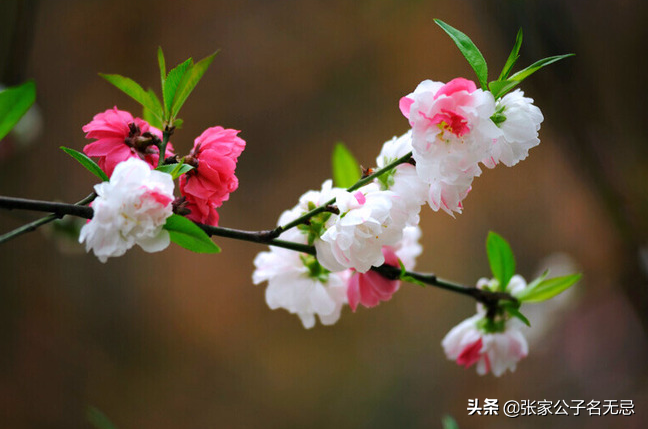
(332, 209)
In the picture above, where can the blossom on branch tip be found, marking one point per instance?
(119, 137)
(470, 344)
(130, 209)
(214, 156)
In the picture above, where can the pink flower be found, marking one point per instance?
(119, 137)
(214, 155)
(493, 352)
(371, 287)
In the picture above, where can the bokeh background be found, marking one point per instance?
(179, 340)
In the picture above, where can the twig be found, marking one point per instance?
(326, 206)
(32, 226)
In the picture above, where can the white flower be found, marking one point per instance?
(447, 194)
(411, 191)
(298, 284)
(355, 237)
(130, 209)
(496, 352)
(519, 130)
(451, 133)
(408, 249)
(310, 200)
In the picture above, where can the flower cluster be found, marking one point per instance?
(353, 242)
(133, 206)
(456, 126)
(215, 153)
(309, 286)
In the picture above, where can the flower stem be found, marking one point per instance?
(263, 237)
(486, 297)
(60, 209)
(32, 226)
(166, 135)
(303, 218)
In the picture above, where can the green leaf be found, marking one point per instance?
(14, 103)
(501, 87)
(412, 280)
(89, 164)
(501, 259)
(162, 65)
(513, 311)
(189, 82)
(449, 423)
(98, 419)
(148, 114)
(175, 170)
(406, 277)
(513, 57)
(133, 90)
(469, 50)
(546, 289)
(523, 74)
(403, 270)
(537, 281)
(504, 84)
(187, 234)
(346, 171)
(149, 117)
(171, 84)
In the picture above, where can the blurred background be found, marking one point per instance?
(179, 340)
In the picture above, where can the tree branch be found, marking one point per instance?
(268, 237)
(60, 209)
(32, 226)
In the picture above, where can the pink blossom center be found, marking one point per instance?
(471, 354)
(451, 121)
